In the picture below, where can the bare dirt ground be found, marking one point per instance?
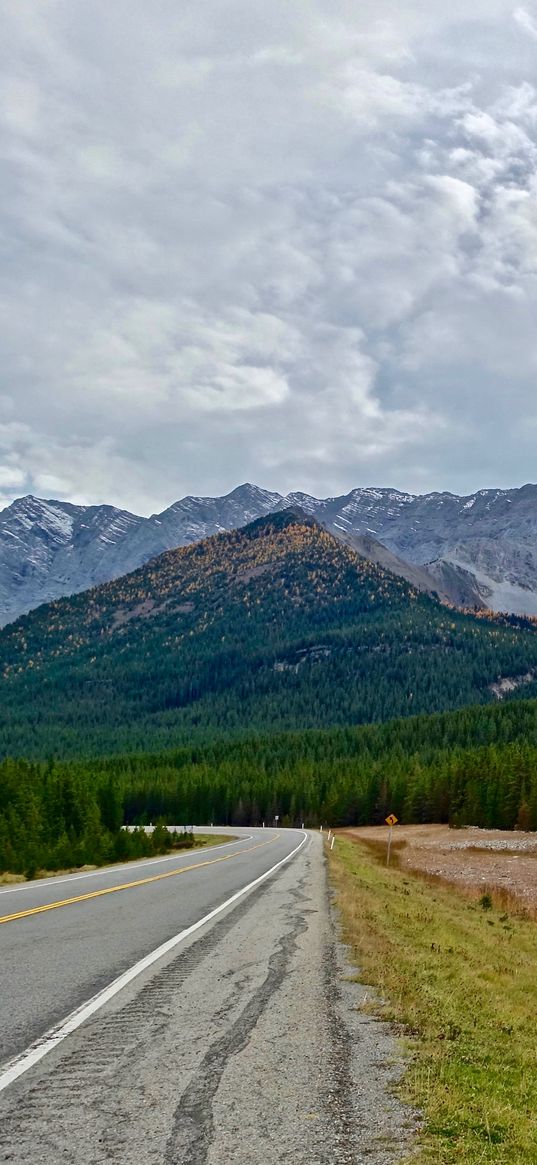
(477, 861)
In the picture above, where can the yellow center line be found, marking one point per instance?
(130, 885)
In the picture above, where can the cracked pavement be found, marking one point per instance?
(246, 1045)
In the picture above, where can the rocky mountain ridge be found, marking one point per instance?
(276, 626)
(475, 551)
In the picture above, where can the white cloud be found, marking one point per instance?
(295, 243)
(526, 21)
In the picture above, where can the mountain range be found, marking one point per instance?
(276, 626)
(477, 551)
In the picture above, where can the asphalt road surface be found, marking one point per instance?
(190, 1009)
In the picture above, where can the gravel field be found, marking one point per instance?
(475, 860)
(248, 1047)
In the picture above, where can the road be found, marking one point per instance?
(189, 1009)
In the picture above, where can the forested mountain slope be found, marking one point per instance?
(478, 551)
(275, 626)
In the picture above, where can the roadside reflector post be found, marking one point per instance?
(333, 840)
(321, 828)
(390, 821)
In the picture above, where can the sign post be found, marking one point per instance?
(391, 821)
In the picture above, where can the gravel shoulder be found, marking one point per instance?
(250, 1046)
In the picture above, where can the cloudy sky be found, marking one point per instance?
(292, 243)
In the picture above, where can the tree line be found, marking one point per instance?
(58, 818)
(477, 766)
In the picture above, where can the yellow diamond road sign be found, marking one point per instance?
(392, 819)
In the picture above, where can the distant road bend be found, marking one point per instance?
(188, 1008)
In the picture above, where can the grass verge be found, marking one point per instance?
(461, 981)
(201, 839)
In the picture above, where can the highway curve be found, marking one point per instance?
(124, 1039)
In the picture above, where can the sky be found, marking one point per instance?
(289, 243)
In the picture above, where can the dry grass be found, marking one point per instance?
(503, 898)
(476, 861)
(460, 982)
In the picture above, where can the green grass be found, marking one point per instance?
(463, 983)
(207, 839)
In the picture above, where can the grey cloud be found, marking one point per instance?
(294, 243)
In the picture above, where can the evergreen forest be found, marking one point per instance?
(277, 627)
(267, 672)
(476, 766)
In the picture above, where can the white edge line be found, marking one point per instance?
(43, 883)
(50, 1040)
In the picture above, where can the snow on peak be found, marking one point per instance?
(56, 518)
